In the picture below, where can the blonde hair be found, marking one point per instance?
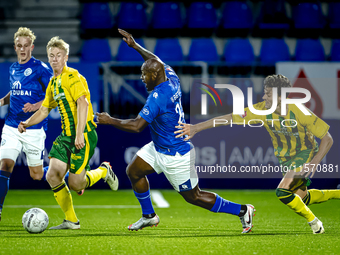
(56, 42)
(24, 31)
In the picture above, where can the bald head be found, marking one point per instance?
(153, 73)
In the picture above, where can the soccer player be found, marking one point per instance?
(174, 157)
(28, 78)
(74, 147)
(295, 147)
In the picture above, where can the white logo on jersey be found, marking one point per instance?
(145, 111)
(16, 85)
(13, 72)
(155, 95)
(28, 71)
(184, 186)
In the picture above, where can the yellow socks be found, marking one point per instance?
(95, 175)
(295, 203)
(315, 196)
(64, 198)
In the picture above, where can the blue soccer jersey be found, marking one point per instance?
(28, 83)
(163, 110)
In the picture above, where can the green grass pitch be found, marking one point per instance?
(184, 229)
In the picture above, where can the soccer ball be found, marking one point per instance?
(35, 220)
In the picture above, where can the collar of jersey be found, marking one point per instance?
(28, 63)
(159, 85)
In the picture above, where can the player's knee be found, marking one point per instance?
(53, 177)
(36, 176)
(7, 165)
(131, 172)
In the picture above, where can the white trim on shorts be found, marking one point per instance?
(179, 169)
(31, 142)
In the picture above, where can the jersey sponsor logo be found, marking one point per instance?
(75, 157)
(59, 96)
(16, 85)
(145, 111)
(155, 95)
(21, 93)
(28, 72)
(185, 186)
(74, 83)
(70, 76)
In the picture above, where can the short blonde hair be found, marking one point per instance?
(24, 31)
(56, 42)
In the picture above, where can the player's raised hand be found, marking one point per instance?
(184, 129)
(29, 107)
(103, 118)
(22, 127)
(127, 38)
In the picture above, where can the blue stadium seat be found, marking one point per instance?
(167, 15)
(335, 50)
(96, 50)
(132, 16)
(274, 50)
(125, 53)
(169, 50)
(237, 14)
(202, 15)
(239, 51)
(96, 16)
(308, 15)
(203, 49)
(309, 50)
(333, 15)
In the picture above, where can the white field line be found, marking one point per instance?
(158, 199)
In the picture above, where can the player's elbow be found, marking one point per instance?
(329, 139)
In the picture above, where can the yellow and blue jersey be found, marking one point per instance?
(287, 140)
(63, 91)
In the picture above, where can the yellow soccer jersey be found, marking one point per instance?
(63, 91)
(287, 141)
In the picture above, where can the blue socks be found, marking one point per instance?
(225, 206)
(4, 186)
(45, 172)
(145, 202)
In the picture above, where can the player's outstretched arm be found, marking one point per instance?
(136, 125)
(5, 99)
(28, 107)
(36, 118)
(128, 38)
(191, 130)
(325, 145)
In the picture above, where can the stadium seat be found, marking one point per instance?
(309, 50)
(96, 50)
(272, 20)
(201, 19)
(203, 49)
(239, 51)
(96, 16)
(274, 50)
(308, 15)
(169, 50)
(333, 15)
(237, 14)
(335, 50)
(166, 15)
(125, 53)
(132, 17)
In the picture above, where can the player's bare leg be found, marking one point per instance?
(137, 171)
(36, 172)
(208, 200)
(6, 167)
(286, 193)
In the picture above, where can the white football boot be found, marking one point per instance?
(110, 177)
(144, 222)
(247, 219)
(67, 225)
(317, 226)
